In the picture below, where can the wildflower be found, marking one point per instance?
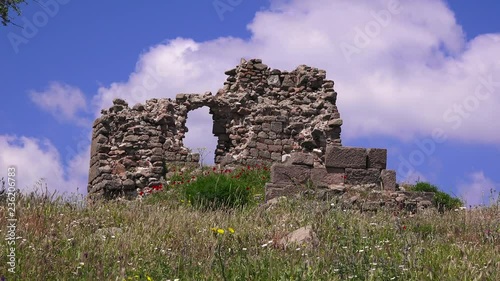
(231, 229)
(149, 278)
(220, 231)
(244, 249)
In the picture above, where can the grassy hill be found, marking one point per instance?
(166, 237)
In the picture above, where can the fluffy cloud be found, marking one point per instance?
(478, 189)
(401, 68)
(62, 101)
(39, 166)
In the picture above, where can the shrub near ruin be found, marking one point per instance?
(217, 188)
(442, 200)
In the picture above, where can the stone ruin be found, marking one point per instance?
(260, 116)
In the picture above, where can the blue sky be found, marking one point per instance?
(404, 71)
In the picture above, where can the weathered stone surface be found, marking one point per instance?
(388, 178)
(300, 158)
(377, 158)
(300, 237)
(289, 175)
(324, 177)
(345, 157)
(362, 176)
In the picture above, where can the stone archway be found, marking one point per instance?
(199, 137)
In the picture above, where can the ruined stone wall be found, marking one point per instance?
(259, 115)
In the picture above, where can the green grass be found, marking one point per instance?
(164, 237)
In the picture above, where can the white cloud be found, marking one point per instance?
(414, 75)
(478, 189)
(63, 102)
(36, 159)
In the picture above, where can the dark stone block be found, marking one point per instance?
(377, 158)
(388, 178)
(289, 175)
(362, 176)
(345, 157)
(323, 177)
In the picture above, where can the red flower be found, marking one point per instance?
(404, 227)
(248, 188)
(214, 168)
(141, 193)
(248, 167)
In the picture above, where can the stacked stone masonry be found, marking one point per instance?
(260, 115)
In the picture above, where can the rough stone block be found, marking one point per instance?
(285, 174)
(265, 154)
(362, 176)
(377, 158)
(300, 158)
(388, 178)
(99, 168)
(99, 148)
(128, 184)
(345, 157)
(277, 127)
(324, 177)
(275, 148)
(275, 156)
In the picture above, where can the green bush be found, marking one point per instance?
(425, 187)
(216, 191)
(445, 202)
(442, 200)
